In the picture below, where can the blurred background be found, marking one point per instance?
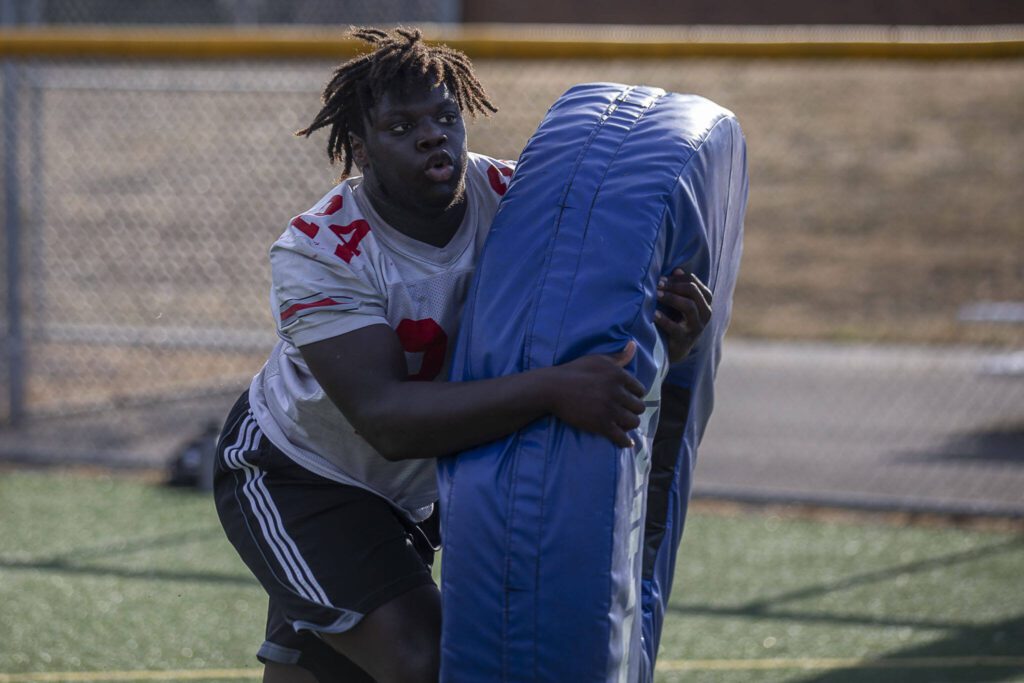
(860, 490)
(876, 354)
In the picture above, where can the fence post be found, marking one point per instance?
(14, 342)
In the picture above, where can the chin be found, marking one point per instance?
(443, 197)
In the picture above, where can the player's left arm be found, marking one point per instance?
(687, 309)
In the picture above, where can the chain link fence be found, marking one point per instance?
(885, 196)
(232, 11)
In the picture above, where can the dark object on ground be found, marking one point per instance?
(192, 466)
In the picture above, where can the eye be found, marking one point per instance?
(400, 128)
(449, 117)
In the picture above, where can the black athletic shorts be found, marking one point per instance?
(326, 553)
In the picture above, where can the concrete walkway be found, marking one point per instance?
(896, 427)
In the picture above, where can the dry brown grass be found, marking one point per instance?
(884, 196)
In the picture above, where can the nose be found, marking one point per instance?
(432, 136)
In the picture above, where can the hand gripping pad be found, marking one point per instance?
(558, 553)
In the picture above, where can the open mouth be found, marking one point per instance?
(440, 167)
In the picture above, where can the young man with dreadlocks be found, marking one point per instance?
(325, 477)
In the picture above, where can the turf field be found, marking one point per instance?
(106, 578)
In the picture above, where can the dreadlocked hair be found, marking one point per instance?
(399, 59)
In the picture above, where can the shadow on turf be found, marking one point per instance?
(768, 608)
(128, 546)
(1000, 639)
(998, 445)
(70, 562)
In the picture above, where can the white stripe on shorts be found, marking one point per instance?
(283, 546)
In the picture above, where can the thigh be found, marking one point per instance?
(400, 641)
(292, 656)
(327, 554)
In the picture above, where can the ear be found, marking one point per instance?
(359, 156)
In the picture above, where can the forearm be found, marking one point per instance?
(406, 419)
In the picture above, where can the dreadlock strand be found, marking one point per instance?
(476, 100)
(374, 36)
(412, 35)
(398, 59)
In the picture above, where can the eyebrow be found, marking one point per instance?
(375, 118)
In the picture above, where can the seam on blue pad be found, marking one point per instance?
(609, 110)
(713, 277)
(531, 325)
(696, 152)
(728, 204)
(515, 450)
(549, 433)
(657, 98)
(650, 257)
(682, 169)
(664, 209)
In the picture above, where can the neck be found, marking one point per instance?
(433, 227)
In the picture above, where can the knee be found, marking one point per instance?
(416, 660)
(286, 673)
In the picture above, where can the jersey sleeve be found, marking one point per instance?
(316, 293)
(498, 172)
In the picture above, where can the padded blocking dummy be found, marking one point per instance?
(559, 545)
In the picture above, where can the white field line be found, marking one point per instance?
(837, 663)
(663, 665)
(98, 676)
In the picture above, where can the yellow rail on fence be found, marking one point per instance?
(205, 43)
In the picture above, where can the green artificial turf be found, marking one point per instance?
(108, 573)
(767, 587)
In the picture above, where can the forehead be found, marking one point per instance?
(411, 98)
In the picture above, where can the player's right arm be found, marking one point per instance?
(364, 373)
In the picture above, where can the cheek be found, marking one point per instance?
(397, 178)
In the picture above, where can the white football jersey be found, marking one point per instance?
(337, 268)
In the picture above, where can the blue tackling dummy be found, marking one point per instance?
(560, 547)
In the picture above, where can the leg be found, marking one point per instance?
(286, 673)
(400, 641)
(339, 564)
(302, 657)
